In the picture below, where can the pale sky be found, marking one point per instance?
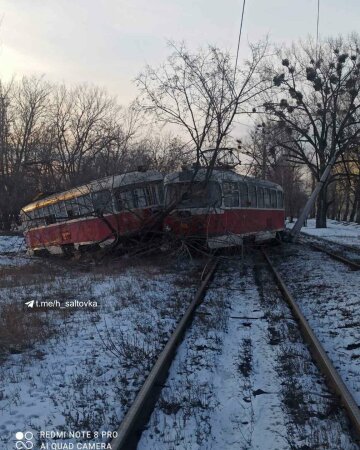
(108, 42)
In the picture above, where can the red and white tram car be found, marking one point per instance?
(95, 213)
(224, 208)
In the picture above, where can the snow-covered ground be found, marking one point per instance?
(328, 293)
(12, 251)
(243, 378)
(11, 244)
(73, 366)
(345, 233)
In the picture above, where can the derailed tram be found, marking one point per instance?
(224, 209)
(94, 214)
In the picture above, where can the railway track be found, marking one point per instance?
(354, 265)
(318, 351)
(130, 429)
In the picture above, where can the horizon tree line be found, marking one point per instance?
(303, 102)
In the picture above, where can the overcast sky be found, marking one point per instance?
(108, 42)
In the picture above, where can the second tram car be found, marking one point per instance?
(223, 209)
(94, 213)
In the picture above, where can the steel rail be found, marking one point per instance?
(319, 353)
(309, 238)
(129, 432)
(348, 262)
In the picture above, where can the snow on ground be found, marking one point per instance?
(12, 251)
(243, 378)
(345, 233)
(79, 368)
(11, 244)
(327, 292)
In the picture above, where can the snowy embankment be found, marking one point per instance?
(76, 359)
(345, 233)
(243, 378)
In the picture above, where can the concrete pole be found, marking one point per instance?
(309, 204)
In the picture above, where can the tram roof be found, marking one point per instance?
(217, 175)
(110, 182)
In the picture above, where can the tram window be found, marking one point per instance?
(124, 199)
(49, 214)
(39, 217)
(85, 204)
(152, 194)
(140, 199)
(25, 219)
(31, 218)
(102, 201)
(160, 191)
(267, 202)
(273, 198)
(280, 199)
(194, 195)
(252, 196)
(60, 211)
(71, 208)
(260, 197)
(244, 201)
(231, 194)
(148, 194)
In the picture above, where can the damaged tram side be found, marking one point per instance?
(223, 209)
(94, 214)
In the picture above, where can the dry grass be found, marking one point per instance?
(21, 328)
(13, 276)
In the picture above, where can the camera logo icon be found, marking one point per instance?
(24, 441)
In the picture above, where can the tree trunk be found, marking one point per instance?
(321, 208)
(353, 210)
(347, 202)
(355, 206)
(313, 184)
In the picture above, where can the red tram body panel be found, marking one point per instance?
(89, 214)
(224, 210)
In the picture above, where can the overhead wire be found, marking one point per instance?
(239, 39)
(317, 28)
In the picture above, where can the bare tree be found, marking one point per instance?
(270, 161)
(24, 106)
(200, 94)
(316, 101)
(87, 123)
